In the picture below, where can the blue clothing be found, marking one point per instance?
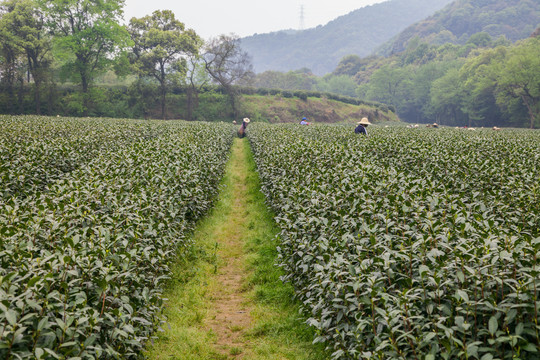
(360, 130)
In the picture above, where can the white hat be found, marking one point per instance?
(364, 121)
(246, 120)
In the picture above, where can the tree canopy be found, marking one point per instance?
(161, 43)
(87, 35)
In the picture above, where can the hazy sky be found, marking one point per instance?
(211, 18)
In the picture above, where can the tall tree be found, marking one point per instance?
(88, 34)
(161, 44)
(389, 85)
(519, 78)
(227, 63)
(340, 84)
(447, 99)
(26, 26)
(196, 79)
(10, 60)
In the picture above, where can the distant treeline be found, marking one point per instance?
(462, 66)
(485, 82)
(124, 101)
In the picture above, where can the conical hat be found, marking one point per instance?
(364, 121)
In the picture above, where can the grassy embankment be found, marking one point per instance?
(276, 109)
(226, 300)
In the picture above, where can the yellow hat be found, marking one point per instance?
(364, 121)
(246, 120)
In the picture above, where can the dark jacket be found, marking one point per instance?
(360, 130)
(242, 130)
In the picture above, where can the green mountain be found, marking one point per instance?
(360, 32)
(457, 22)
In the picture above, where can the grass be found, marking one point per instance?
(277, 330)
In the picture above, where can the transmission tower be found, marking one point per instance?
(302, 23)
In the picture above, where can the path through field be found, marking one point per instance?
(229, 315)
(214, 309)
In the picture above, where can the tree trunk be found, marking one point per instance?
(37, 96)
(190, 99)
(11, 97)
(50, 99)
(163, 99)
(34, 68)
(232, 99)
(529, 108)
(84, 83)
(20, 95)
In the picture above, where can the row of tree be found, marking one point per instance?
(43, 42)
(479, 84)
(484, 82)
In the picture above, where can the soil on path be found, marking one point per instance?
(213, 312)
(229, 314)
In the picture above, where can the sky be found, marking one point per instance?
(210, 18)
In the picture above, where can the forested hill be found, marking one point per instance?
(360, 32)
(457, 22)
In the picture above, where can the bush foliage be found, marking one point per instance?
(92, 212)
(411, 243)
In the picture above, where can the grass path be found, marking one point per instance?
(225, 299)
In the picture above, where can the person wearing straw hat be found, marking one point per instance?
(362, 126)
(242, 130)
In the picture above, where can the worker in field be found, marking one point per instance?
(242, 130)
(304, 121)
(362, 126)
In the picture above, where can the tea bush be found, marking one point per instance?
(92, 213)
(410, 243)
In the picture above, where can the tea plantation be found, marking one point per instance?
(411, 243)
(92, 212)
(407, 244)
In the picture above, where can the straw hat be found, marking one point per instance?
(364, 121)
(435, 124)
(246, 120)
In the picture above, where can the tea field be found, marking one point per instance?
(408, 244)
(92, 213)
(411, 243)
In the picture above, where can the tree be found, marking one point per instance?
(519, 78)
(161, 45)
(389, 85)
(197, 78)
(10, 52)
(26, 26)
(341, 84)
(227, 63)
(87, 36)
(349, 65)
(447, 97)
(478, 75)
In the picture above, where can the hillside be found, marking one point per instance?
(360, 32)
(457, 22)
(280, 109)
